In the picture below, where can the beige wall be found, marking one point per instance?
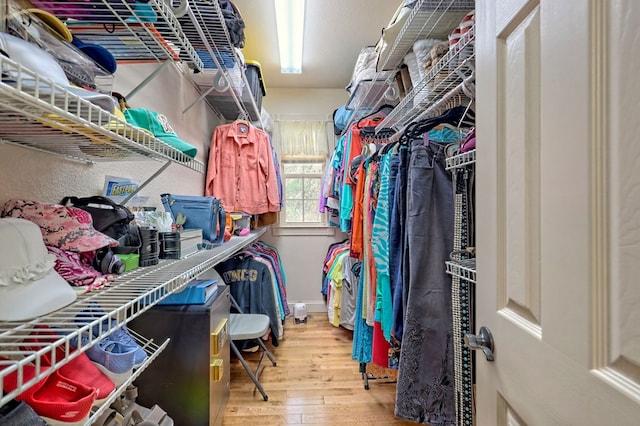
(302, 254)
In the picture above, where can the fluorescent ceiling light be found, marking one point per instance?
(290, 26)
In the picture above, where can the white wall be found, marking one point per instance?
(302, 255)
(30, 174)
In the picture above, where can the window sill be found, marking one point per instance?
(285, 231)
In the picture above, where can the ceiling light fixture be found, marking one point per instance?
(290, 27)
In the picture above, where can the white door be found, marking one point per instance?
(558, 211)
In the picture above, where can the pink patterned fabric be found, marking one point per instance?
(77, 273)
(67, 228)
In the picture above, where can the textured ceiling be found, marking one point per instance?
(335, 31)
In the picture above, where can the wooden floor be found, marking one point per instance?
(315, 383)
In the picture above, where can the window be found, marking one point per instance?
(302, 183)
(303, 147)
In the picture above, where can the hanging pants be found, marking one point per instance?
(397, 200)
(425, 388)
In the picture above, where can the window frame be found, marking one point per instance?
(283, 212)
(321, 157)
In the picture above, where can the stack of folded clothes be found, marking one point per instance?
(436, 75)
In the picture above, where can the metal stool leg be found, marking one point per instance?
(249, 371)
(266, 351)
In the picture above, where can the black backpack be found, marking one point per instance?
(111, 219)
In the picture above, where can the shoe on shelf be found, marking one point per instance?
(17, 412)
(58, 400)
(80, 369)
(136, 414)
(120, 335)
(113, 359)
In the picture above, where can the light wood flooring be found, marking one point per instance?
(315, 383)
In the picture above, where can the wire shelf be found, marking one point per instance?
(132, 294)
(39, 114)
(152, 350)
(461, 160)
(230, 95)
(453, 69)
(464, 269)
(428, 19)
(140, 31)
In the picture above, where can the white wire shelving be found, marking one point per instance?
(131, 31)
(152, 349)
(428, 19)
(222, 79)
(464, 269)
(128, 297)
(443, 87)
(36, 113)
(461, 160)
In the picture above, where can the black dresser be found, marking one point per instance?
(190, 379)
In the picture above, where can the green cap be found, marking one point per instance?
(158, 125)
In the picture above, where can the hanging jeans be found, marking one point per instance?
(397, 200)
(425, 388)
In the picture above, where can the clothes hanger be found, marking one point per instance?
(377, 115)
(367, 132)
(456, 116)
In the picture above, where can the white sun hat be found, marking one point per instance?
(29, 286)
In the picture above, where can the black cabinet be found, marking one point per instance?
(190, 379)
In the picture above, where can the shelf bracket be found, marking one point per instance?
(148, 79)
(200, 98)
(146, 182)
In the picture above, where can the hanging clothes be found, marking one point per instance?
(425, 388)
(362, 333)
(251, 285)
(349, 293)
(332, 254)
(397, 238)
(241, 170)
(380, 248)
(271, 255)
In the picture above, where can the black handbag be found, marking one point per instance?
(110, 218)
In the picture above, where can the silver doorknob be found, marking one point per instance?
(482, 340)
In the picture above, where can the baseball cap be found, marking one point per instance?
(99, 54)
(67, 228)
(58, 28)
(158, 125)
(44, 64)
(29, 286)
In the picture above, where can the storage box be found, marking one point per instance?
(197, 292)
(131, 261)
(178, 245)
(239, 221)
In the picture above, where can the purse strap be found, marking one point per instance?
(222, 220)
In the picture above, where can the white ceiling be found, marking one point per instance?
(335, 32)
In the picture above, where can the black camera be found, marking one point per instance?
(107, 262)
